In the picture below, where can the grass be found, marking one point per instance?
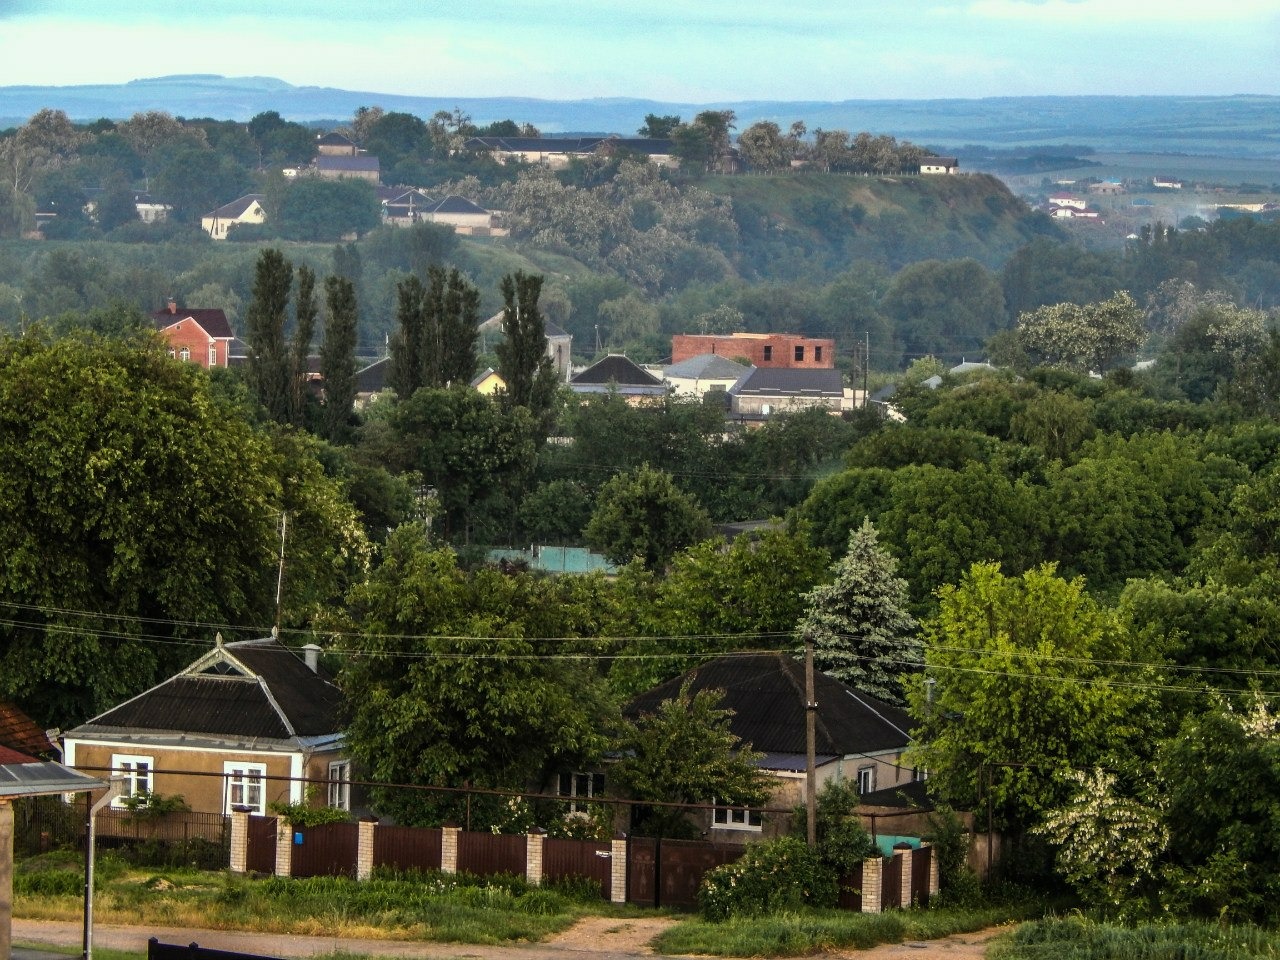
(98, 952)
(802, 933)
(1080, 938)
(429, 907)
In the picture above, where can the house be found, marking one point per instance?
(618, 375)
(759, 349)
(200, 336)
(247, 209)
(358, 168)
(335, 145)
(557, 152)
(764, 391)
(1107, 187)
(934, 165)
(488, 382)
(1166, 183)
(559, 342)
(1067, 200)
(857, 736)
(240, 727)
(465, 216)
(705, 372)
(371, 380)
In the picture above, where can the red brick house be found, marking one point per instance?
(195, 336)
(784, 350)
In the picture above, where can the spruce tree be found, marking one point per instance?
(269, 365)
(338, 357)
(862, 633)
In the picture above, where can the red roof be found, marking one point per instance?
(20, 732)
(212, 321)
(13, 756)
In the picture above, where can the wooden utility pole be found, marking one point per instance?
(810, 747)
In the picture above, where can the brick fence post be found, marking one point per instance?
(364, 848)
(935, 871)
(449, 848)
(284, 847)
(239, 842)
(618, 869)
(534, 841)
(904, 855)
(872, 872)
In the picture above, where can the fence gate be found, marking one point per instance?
(920, 861)
(261, 854)
(327, 850)
(578, 858)
(667, 873)
(891, 883)
(642, 871)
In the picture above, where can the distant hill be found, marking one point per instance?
(1225, 126)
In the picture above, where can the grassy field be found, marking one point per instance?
(1078, 938)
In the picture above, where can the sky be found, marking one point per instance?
(694, 51)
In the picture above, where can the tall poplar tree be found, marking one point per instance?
(861, 630)
(269, 364)
(338, 358)
(300, 351)
(453, 323)
(523, 363)
(408, 342)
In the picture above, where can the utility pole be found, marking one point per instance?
(810, 747)
(866, 366)
(284, 526)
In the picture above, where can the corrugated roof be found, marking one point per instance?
(456, 204)
(237, 207)
(706, 366)
(766, 693)
(25, 777)
(254, 689)
(616, 368)
(787, 382)
(356, 164)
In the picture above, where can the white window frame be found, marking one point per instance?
(581, 785)
(185, 354)
(340, 785)
(241, 779)
(213, 355)
(139, 776)
(866, 780)
(736, 818)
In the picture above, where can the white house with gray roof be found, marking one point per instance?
(706, 372)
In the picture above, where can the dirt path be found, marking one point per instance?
(593, 938)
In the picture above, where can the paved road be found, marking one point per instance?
(62, 933)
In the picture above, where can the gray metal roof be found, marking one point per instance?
(41, 779)
(706, 366)
(785, 382)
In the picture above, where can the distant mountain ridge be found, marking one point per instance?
(1247, 126)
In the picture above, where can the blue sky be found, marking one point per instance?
(678, 50)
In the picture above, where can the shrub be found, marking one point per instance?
(843, 843)
(778, 874)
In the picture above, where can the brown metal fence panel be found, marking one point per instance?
(407, 848)
(681, 866)
(851, 890)
(563, 859)
(327, 850)
(642, 871)
(260, 857)
(891, 883)
(920, 876)
(485, 854)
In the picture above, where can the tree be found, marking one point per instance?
(764, 147)
(658, 127)
(408, 344)
(685, 752)
(859, 624)
(643, 514)
(136, 506)
(149, 134)
(48, 141)
(338, 358)
(523, 363)
(327, 210)
(269, 366)
(944, 307)
(1027, 683)
(300, 350)
(842, 842)
(452, 319)
(453, 682)
(1092, 337)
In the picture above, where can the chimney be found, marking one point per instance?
(311, 654)
(172, 305)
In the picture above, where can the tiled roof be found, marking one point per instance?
(766, 693)
(211, 319)
(254, 689)
(8, 755)
(706, 366)
(19, 732)
(236, 208)
(616, 368)
(787, 382)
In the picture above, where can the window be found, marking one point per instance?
(817, 354)
(185, 355)
(919, 774)
(866, 780)
(736, 818)
(137, 776)
(245, 782)
(340, 784)
(213, 354)
(799, 352)
(768, 352)
(172, 354)
(583, 786)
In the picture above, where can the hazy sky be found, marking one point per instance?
(686, 50)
